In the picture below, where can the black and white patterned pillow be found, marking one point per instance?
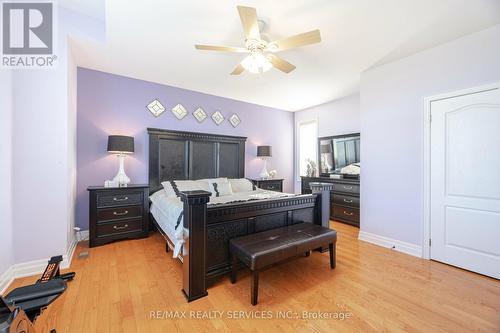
(242, 185)
(222, 188)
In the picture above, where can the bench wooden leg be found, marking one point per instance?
(331, 247)
(166, 247)
(234, 263)
(308, 253)
(255, 287)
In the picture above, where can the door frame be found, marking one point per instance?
(426, 234)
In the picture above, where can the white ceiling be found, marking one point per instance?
(153, 41)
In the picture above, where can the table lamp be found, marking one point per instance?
(121, 145)
(264, 152)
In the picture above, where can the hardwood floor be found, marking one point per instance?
(372, 289)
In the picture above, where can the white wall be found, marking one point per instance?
(392, 127)
(337, 117)
(71, 148)
(38, 149)
(44, 148)
(7, 251)
(40, 160)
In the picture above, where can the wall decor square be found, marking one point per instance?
(179, 111)
(156, 108)
(234, 120)
(200, 114)
(217, 117)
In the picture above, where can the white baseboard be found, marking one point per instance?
(6, 279)
(408, 248)
(33, 267)
(82, 235)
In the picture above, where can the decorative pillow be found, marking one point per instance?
(211, 182)
(158, 195)
(187, 185)
(169, 190)
(242, 185)
(203, 183)
(222, 188)
(173, 187)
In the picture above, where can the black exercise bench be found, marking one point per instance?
(20, 308)
(264, 249)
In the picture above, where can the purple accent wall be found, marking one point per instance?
(113, 104)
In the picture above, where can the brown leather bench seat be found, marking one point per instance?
(264, 249)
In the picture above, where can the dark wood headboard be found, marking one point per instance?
(189, 155)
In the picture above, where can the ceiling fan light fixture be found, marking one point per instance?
(256, 63)
(262, 50)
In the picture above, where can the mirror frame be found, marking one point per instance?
(331, 137)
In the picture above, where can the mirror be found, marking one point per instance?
(336, 152)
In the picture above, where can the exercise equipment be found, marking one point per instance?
(20, 308)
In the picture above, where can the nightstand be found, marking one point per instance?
(118, 213)
(269, 184)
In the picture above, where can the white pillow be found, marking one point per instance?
(181, 186)
(169, 190)
(158, 195)
(188, 185)
(203, 183)
(222, 188)
(211, 182)
(241, 185)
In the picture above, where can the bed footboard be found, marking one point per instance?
(195, 245)
(206, 249)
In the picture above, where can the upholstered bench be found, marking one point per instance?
(261, 250)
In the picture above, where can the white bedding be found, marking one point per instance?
(166, 211)
(245, 196)
(167, 220)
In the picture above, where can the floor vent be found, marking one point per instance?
(83, 255)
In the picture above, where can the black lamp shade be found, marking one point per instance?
(326, 149)
(120, 144)
(264, 151)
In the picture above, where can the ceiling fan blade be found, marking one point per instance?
(221, 48)
(302, 39)
(238, 70)
(280, 64)
(248, 16)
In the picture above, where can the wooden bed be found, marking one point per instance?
(175, 155)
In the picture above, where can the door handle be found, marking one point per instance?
(348, 214)
(120, 199)
(348, 201)
(120, 214)
(347, 187)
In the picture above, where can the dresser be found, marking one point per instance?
(269, 184)
(344, 198)
(117, 213)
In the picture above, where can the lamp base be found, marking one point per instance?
(264, 174)
(121, 178)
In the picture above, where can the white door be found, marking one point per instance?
(465, 181)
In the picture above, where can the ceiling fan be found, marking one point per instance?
(262, 55)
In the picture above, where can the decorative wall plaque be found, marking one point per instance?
(179, 111)
(217, 117)
(234, 120)
(200, 114)
(156, 108)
